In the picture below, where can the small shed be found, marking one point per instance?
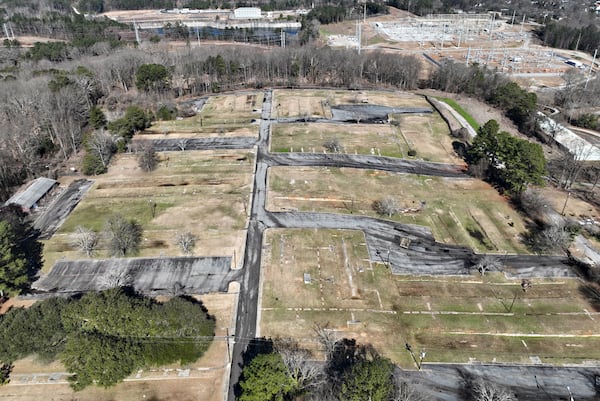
(307, 279)
(37, 190)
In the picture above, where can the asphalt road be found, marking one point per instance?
(447, 382)
(420, 255)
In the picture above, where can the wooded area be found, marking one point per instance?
(103, 337)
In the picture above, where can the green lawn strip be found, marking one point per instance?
(93, 214)
(452, 103)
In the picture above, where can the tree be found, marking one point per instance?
(512, 163)
(97, 119)
(488, 263)
(186, 242)
(100, 147)
(484, 390)
(404, 391)
(152, 77)
(334, 145)
(14, 275)
(85, 240)
(124, 236)
(369, 380)
(387, 206)
(146, 155)
(266, 378)
(305, 372)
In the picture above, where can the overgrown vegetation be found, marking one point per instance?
(20, 252)
(103, 337)
(282, 370)
(507, 161)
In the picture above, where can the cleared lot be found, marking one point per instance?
(459, 211)
(453, 319)
(203, 192)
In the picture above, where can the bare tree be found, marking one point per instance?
(101, 145)
(306, 372)
(146, 155)
(116, 277)
(186, 242)
(572, 163)
(124, 236)
(488, 263)
(483, 390)
(326, 337)
(182, 143)
(85, 240)
(534, 204)
(406, 392)
(386, 206)
(334, 145)
(552, 237)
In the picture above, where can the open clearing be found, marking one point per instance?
(316, 103)
(428, 135)
(203, 192)
(222, 115)
(453, 319)
(459, 211)
(202, 380)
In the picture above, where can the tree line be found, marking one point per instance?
(45, 113)
(282, 370)
(103, 337)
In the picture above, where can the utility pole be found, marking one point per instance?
(591, 69)
(137, 34)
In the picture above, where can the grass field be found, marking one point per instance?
(222, 115)
(452, 103)
(459, 211)
(453, 319)
(428, 135)
(316, 103)
(203, 192)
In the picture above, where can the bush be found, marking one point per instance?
(412, 152)
(92, 165)
(386, 207)
(166, 112)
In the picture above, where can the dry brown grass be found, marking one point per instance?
(203, 192)
(452, 318)
(459, 211)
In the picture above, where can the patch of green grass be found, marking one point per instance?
(452, 103)
(93, 215)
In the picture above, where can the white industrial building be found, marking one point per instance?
(247, 13)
